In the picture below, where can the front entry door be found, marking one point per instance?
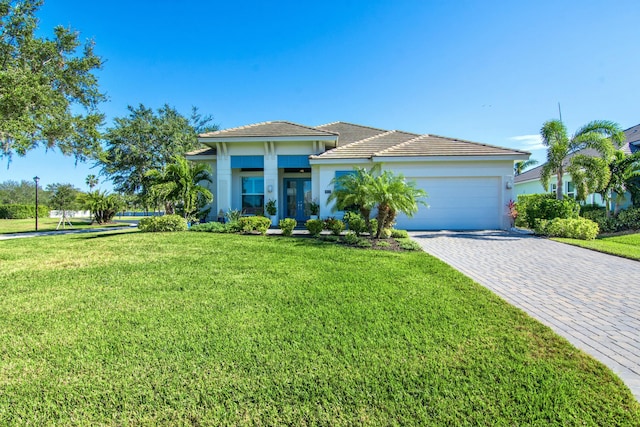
(297, 196)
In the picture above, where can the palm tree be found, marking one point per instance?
(521, 165)
(353, 191)
(600, 135)
(179, 182)
(91, 181)
(393, 194)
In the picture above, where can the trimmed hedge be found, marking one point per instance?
(23, 211)
(163, 223)
(532, 207)
(315, 226)
(250, 224)
(211, 227)
(287, 225)
(572, 228)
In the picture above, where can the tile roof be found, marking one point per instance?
(434, 145)
(365, 148)
(267, 129)
(631, 145)
(206, 151)
(349, 132)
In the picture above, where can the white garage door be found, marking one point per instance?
(457, 204)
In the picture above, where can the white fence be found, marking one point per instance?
(70, 214)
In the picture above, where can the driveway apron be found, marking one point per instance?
(591, 299)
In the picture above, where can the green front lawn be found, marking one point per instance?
(627, 246)
(208, 329)
(47, 224)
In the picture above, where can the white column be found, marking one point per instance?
(223, 185)
(271, 178)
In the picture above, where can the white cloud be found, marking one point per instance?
(528, 142)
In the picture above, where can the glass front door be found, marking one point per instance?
(297, 196)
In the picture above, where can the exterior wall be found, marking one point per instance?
(535, 187)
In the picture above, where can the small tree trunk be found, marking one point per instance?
(383, 213)
(559, 184)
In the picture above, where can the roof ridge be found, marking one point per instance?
(235, 128)
(401, 144)
(351, 144)
(223, 131)
(304, 126)
(354, 124)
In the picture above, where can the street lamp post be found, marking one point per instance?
(36, 179)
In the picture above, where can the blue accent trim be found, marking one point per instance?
(239, 162)
(294, 161)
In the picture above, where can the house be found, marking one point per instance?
(529, 182)
(469, 184)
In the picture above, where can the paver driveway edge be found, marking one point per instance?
(590, 298)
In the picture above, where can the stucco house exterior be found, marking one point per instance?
(529, 182)
(469, 184)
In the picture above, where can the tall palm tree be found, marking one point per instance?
(600, 135)
(520, 166)
(393, 194)
(179, 182)
(353, 190)
(91, 181)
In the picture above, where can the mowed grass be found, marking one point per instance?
(627, 246)
(47, 224)
(208, 329)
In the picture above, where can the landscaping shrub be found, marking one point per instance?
(334, 225)
(409, 245)
(250, 224)
(364, 243)
(385, 233)
(374, 225)
(330, 238)
(532, 207)
(572, 228)
(315, 226)
(399, 234)
(630, 218)
(355, 222)
(233, 215)
(163, 223)
(351, 238)
(599, 216)
(15, 211)
(211, 227)
(287, 225)
(383, 244)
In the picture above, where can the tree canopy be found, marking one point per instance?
(146, 140)
(21, 193)
(48, 90)
(601, 135)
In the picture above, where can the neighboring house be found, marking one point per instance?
(468, 184)
(529, 182)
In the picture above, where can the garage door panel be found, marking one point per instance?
(457, 204)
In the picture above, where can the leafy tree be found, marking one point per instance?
(146, 140)
(91, 181)
(21, 193)
(48, 91)
(179, 183)
(103, 206)
(393, 194)
(600, 135)
(521, 165)
(63, 198)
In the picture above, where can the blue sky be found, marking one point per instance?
(491, 72)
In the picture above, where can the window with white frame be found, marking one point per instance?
(571, 190)
(253, 195)
(553, 188)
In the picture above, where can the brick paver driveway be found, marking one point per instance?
(592, 299)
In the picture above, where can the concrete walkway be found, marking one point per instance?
(591, 299)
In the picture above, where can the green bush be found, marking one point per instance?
(351, 238)
(364, 243)
(374, 225)
(599, 216)
(409, 245)
(287, 225)
(15, 211)
(572, 228)
(383, 244)
(630, 218)
(334, 225)
(330, 238)
(399, 234)
(355, 222)
(532, 207)
(315, 226)
(385, 233)
(163, 223)
(211, 227)
(250, 224)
